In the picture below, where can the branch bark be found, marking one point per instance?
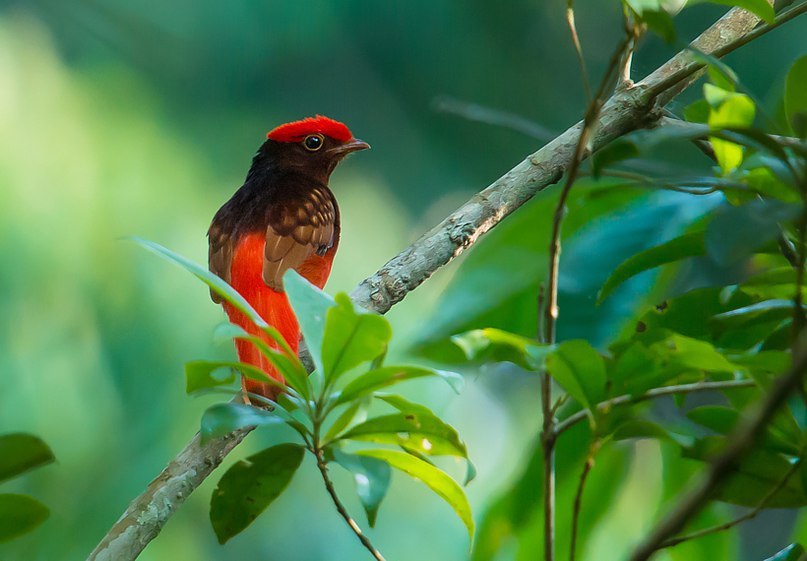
(627, 110)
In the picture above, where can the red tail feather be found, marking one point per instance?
(273, 306)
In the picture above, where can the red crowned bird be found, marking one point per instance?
(283, 217)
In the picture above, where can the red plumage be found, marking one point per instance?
(296, 131)
(283, 217)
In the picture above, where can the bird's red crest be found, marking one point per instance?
(298, 130)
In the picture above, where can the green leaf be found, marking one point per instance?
(434, 478)
(250, 486)
(661, 23)
(204, 374)
(389, 375)
(761, 312)
(223, 418)
(311, 307)
(214, 282)
(760, 8)
(19, 514)
(486, 345)
(754, 478)
(793, 552)
(351, 337)
(408, 407)
(736, 110)
(687, 352)
(737, 232)
(372, 477)
(688, 245)
(697, 111)
(419, 430)
(796, 96)
(580, 370)
(724, 419)
(21, 452)
(612, 153)
(640, 428)
(356, 411)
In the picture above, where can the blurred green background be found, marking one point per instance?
(141, 119)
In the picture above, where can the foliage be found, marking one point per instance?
(20, 514)
(348, 345)
(732, 336)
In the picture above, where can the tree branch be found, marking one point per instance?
(739, 443)
(625, 111)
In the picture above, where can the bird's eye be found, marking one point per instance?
(313, 142)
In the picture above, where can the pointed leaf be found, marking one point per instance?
(500, 346)
(796, 96)
(204, 374)
(311, 306)
(737, 110)
(352, 336)
(372, 477)
(389, 375)
(20, 452)
(793, 552)
(250, 486)
(419, 430)
(688, 245)
(356, 412)
(437, 480)
(580, 370)
(223, 418)
(216, 283)
(19, 514)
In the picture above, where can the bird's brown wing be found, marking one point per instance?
(298, 228)
(219, 255)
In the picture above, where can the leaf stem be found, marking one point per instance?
(578, 498)
(655, 393)
(365, 541)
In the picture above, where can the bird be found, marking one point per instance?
(283, 217)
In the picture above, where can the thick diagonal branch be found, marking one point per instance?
(628, 110)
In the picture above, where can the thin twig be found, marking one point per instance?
(578, 49)
(763, 503)
(578, 498)
(738, 444)
(801, 253)
(551, 307)
(365, 541)
(655, 393)
(492, 116)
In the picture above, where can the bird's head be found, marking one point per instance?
(313, 145)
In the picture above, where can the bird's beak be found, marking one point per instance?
(352, 145)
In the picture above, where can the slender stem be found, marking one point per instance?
(578, 49)
(365, 541)
(798, 310)
(492, 116)
(672, 542)
(655, 393)
(738, 444)
(551, 305)
(578, 498)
